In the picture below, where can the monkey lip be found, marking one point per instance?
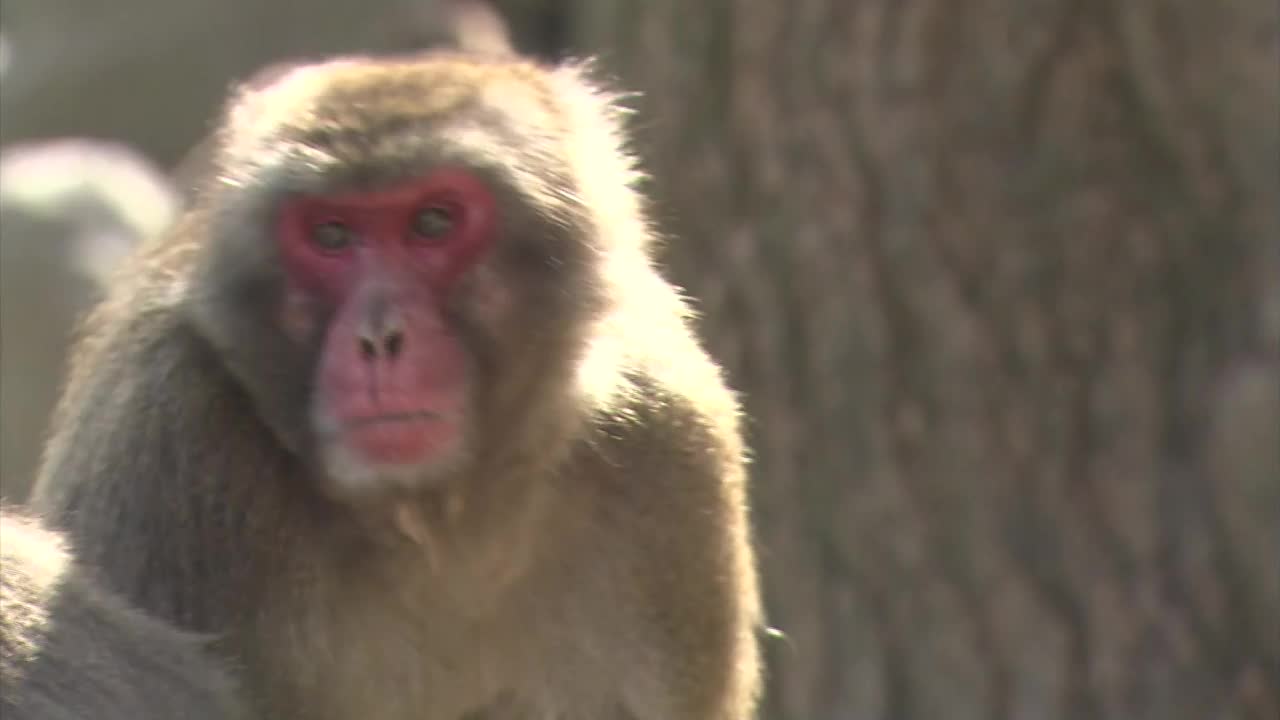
(398, 438)
(399, 417)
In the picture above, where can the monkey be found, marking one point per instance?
(70, 650)
(412, 421)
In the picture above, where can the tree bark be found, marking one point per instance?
(1000, 282)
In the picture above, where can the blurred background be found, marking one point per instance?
(999, 281)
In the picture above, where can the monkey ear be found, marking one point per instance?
(109, 197)
(477, 27)
(420, 28)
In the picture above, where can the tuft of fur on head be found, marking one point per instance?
(604, 170)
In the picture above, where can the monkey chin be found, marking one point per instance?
(355, 469)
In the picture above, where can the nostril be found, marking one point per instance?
(393, 342)
(368, 350)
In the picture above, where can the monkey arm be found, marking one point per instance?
(70, 650)
(127, 444)
(682, 511)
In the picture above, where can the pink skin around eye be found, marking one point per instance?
(382, 225)
(391, 400)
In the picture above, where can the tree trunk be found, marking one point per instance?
(1000, 283)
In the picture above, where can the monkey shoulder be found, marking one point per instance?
(681, 432)
(667, 469)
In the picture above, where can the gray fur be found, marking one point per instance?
(71, 651)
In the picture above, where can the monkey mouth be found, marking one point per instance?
(385, 418)
(398, 438)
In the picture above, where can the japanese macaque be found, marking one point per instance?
(402, 410)
(70, 650)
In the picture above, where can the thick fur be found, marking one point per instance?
(70, 651)
(590, 560)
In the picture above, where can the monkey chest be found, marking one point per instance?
(398, 660)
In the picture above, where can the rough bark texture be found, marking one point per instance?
(1000, 280)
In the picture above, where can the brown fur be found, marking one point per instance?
(589, 558)
(69, 650)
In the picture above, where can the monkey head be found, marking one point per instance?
(397, 267)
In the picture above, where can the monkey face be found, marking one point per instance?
(402, 282)
(386, 316)
(392, 384)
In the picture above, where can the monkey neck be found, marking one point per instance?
(482, 532)
(486, 527)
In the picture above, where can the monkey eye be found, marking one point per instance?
(332, 236)
(433, 222)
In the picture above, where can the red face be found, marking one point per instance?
(391, 384)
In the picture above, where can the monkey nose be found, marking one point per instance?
(380, 336)
(385, 345)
